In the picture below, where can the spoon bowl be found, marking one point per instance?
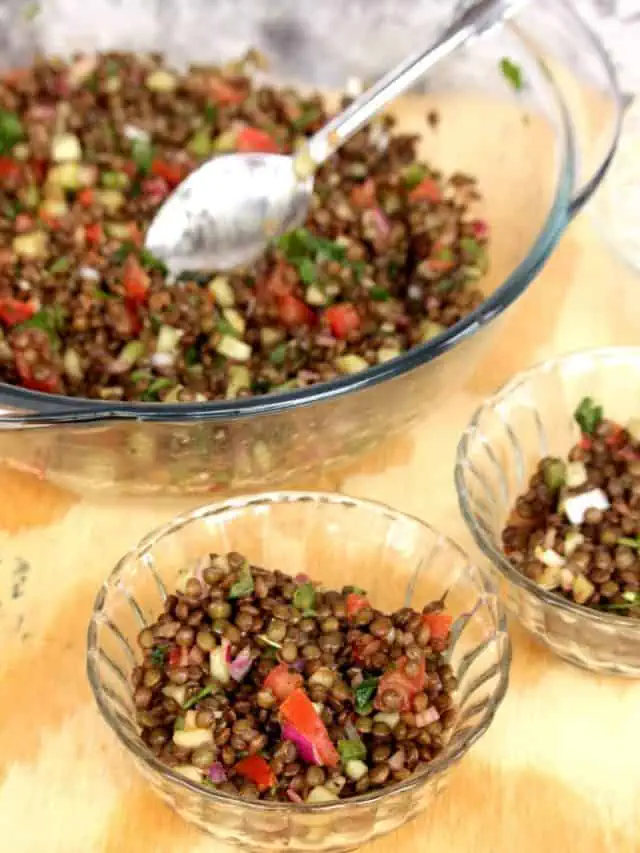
(224, 212)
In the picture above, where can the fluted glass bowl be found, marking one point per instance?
(532, 417)
(336, 540)
(552, 139)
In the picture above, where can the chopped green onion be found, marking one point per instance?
(51, 320)
(304, 598)
(201, 694)
(307, 270)
(356, 589)
(150, 262)
(512, 73)
(308, 115)
(352, 750)
(588, 415)
(11, 131)
(364, 693)
(630, 543)
(114, 180)
(269, 642)
(211, 113)
(244, 584)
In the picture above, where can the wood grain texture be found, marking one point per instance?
(557, 771)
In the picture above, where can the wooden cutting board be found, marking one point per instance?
(559, 770)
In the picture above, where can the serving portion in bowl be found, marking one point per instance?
(321, 795)
(546, 480)
(352, 326)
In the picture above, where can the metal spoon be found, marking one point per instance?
(227, 211)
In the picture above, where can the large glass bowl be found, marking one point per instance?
(532, 417)
(538, 153)
(336, 540)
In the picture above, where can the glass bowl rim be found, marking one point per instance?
(496, 556)
(241, 502)
(48, 409)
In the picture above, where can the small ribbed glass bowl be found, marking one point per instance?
(336, 540)
(529, 418)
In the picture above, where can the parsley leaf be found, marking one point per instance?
(158, 655)
(512, 73)
(11, 131)
(142, 153)
(201, 694)
(364, 693)
(588, 415)
(304, 598)
(244, 584)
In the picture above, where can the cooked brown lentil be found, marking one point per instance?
(89, 150)
(576, 531)
(252, 721)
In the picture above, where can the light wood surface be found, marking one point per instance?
(559, 770)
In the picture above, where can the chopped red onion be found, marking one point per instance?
(302, 578)
(298, 665)
(216, 773)
(425, 718)
(382, 224)
(241, 664)
(226, 650)
(306, 750)
(294, 796)
(480, 229)
(396, 762)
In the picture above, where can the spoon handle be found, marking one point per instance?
(479, 18)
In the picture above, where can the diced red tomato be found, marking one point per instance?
(48, 383)
(86, 197)
(615, 437)
(13, 311)
(294, 312)
(298, 710)
(628, 454)
(9, 169)
(356, 603)
(93, 233)
(156, 189)
(23, 222)
(252, 139)
(427, 190)
(256, 770)
(585, 442)
(406, 686)
(136, 282)
(135, 235)
(439, 624)
(172, 173)
(175, 656)
(38, 170)
(281, 681)
(343, 319)
(480, 229)
(364, 195)
(225, 93)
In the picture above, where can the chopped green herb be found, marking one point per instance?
(414, 175)
(103, 294)
(152, 393)
(60, 265)
(445, 285)
(357, 589)
(379, 294)
(156, 323)
(278, 354)
(150, 262)
(158, 655)
(364, 693)
(471, 248)
(445, 254)
(554, 474)
(201, 694)
(632, 600)
(211, 113)
(123, 251)
(270, 653)
(11, 131)
(512, 73)
(51, 320)
(244, 585)
(191, 356)
(307, 270)
(393, 268)
(142, 153)
(588, 415)
(308, 115)
(111, 68)
(304, 598)
(352, 750)
(359, 268)
(225, 328)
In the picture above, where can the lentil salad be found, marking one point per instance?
(576, 530)
(267, 686)
(389, 257)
